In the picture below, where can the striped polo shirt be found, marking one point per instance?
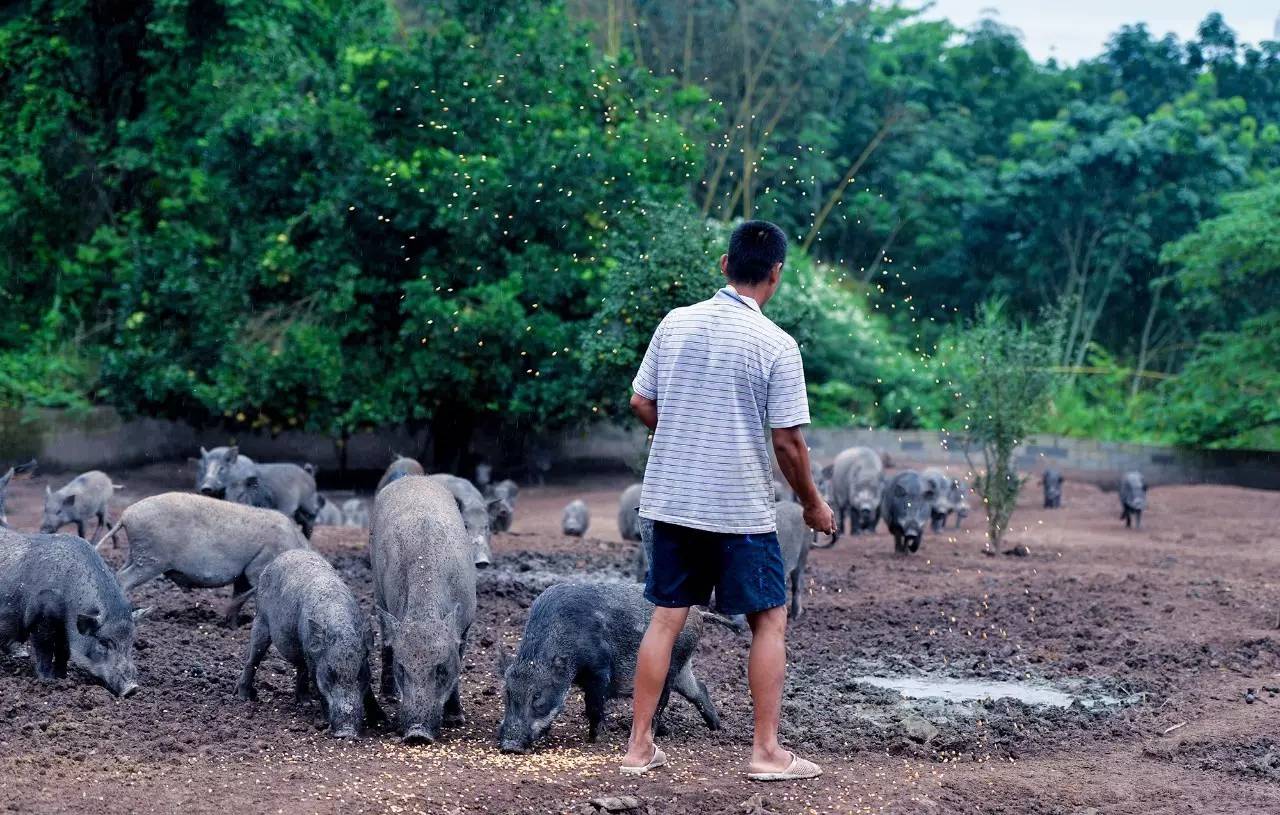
(721, 373)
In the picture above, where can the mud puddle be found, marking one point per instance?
(972, 691)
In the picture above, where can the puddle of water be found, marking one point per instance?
(976, 690)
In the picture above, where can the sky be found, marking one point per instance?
(1075, 30)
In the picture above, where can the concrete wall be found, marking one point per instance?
(65, 441)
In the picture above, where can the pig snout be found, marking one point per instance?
(418, 734)
(345, 715)
(482, 560)
(212, 490)
(126, 690)
(517, 747)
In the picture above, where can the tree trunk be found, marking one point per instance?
(1144, 346)
(838, 192)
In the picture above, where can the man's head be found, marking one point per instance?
(754, 263)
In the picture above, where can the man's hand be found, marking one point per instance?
(820, 517)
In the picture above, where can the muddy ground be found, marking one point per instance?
(1159, 633)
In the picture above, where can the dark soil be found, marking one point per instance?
(1172, 624)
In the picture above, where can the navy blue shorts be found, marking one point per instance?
(745, 571)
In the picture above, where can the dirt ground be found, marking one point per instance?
(1160, 633)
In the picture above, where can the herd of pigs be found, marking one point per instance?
(247, 526)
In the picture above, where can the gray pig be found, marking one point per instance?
(424, 586)
(57, 593)
(795, 538)
(505, 489)
(355, 513)
(399, 467)
(857, 483)
(475, 513)
(906, 506)
(588, 634)
(1052, 482)
(576, 518)
(502, 504)
(83, 497)
(201, 542)
(629, 513)
(949, 497)
(1133, 498)
(288, 488)
(8, 476)
(315, 623)
(330, 514)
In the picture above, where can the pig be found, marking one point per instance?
(576, 518)
(1133, 498)
(500, 514)
(907, 505)
(316, 625)
(588, 634)
(287, 488)
(424, 586)
(330, 514)
(355, 513)
(505, 489)
(629, 513)
(475, 514)
(857, 483)
(400, 467)
(960, 500)
(949, 497)
(83, 497)
(16, 470)
(1052, 482)
(795, 538)
(202, 542)
(57, 593)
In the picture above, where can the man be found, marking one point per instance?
(716, 374)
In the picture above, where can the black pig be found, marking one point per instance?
(588, 634)
(907, 505)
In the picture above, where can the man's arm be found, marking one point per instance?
(793, 460)
(646, 410)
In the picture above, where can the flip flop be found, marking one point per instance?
(659, 758)
(798, 769)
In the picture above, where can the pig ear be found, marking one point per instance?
(504, 661)
(203, 452)
(139, 614)
(390, 627)
(317, 636)
(69, 500)
(252, 481)
(88, 623)
(48, 490)
(233, 453)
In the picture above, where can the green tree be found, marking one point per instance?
(1005, 382)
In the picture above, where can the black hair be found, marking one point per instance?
(754, 248)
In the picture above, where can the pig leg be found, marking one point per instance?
(49, 647)
(259, 642)
(388, 677)
(595, 695)
(794, 611)
(693, 689)
(453, 716)
(80, 528)
(302, 683)
(1138, 519)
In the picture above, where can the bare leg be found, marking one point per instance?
(766, 672)
(652, 664)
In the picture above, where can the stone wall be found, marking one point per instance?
(67, 441)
